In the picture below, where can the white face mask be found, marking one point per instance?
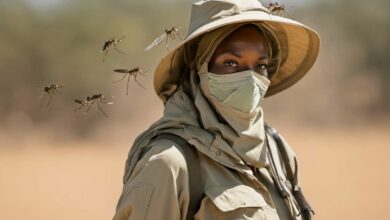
(242, 91)
(236, 96)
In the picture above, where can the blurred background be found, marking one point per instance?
(56, 163)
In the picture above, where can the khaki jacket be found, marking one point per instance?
(158, 188)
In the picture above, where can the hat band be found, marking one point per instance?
(214, 11)
(235, 11)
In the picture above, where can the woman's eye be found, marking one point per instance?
(230, 63)
(262, 67)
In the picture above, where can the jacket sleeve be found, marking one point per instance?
(158, 188)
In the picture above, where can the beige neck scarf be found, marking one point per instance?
(189, 114)
(248, 142)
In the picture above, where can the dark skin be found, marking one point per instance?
(244, 49)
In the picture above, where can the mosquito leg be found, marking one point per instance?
(166, 42)
(127, 88)
(178, 35)
(175, 36)
(89, 108)
(79, 108)
(58, 91)
(116, 48)
(142, 73)
(121, 78)
(135, 79)
(43, 99)
(86, 111)
(51, 98)
(105, 55)
(101, 110)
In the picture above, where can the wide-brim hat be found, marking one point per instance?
(299, 44)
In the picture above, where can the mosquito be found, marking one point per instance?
(51, 91)
(90, 101)
(276, 9)
(130, 73)
(113, 42)
(172, 33)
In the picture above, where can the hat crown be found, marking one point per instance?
(206, 11)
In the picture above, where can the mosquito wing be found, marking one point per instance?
(178, 33)
(178, 28)
(121, 38)
(42, 95)
(144, 72)
(156, 42)
(106, 102)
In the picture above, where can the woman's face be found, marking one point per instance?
(245, 49)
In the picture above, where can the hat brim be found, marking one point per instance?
(299, 48)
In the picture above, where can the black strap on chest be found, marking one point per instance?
(194, 172)
(305, 208)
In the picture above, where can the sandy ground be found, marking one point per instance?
(344, 175)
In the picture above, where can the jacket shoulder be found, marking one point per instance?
(165, 155)
(157, 187)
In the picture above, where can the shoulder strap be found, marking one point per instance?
(194, 172)
(305, 207)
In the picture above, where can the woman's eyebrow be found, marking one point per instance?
(237, 54)
(263, 57)
(234, 53)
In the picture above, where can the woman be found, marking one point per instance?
(212, 85)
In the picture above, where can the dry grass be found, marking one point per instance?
(344, 174)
